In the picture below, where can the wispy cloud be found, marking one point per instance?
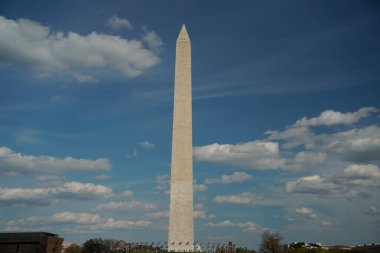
(146, 144)
(248, 226)
(245, 198)
(152, 40)
(116, 23)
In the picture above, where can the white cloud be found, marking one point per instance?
(82, 78)
(17, 162)
(116, 23)
(81, 191)
(236, 177)
(88, 223)
(49, 180)
(111, 224)
(125, 206)
(146, 144)
(362, 171)
(245, 198)
(248, 226)
(254, 154)
(308, 212)
(37, 196)
(330, 117)
(200, 187)
(71, 217)
(294, 137)
(199, 212)
(127, 194)
(222, 224)
(311, 184)
(103, 176)
(162, 183)
(326, 223)
(309, 158)
(158, 215)
(356, 145)
(366, 175)
(33, 45)
(152, 40)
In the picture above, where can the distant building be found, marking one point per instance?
(30, 242)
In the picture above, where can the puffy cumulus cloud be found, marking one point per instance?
(81, 191)
(355, 145)
(22, 196)
(71, 217)
(125, 206)
(308, 212)
(354, 182)
(152, 40)
(112, 224)
(38, 196)
(309, 158)
(158, 215)
(293, 137)
(86, 222)
(116, 23)
(245, 198)
(222, 224)
(330, 117)
(254, 154)
(146, 144)
(236, 177)
(248, 226)
(11, 161)
(312, 184)
(362, 171)
(33, 45)
(200, 187)
(365, 175)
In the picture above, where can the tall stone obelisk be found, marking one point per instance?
(181, 216)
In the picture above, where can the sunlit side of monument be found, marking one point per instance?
(181, 217)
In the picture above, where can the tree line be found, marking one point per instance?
(271, 242)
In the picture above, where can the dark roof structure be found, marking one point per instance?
(30, 242)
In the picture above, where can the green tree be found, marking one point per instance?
(271, 242)
(98, 245)
(245, 250)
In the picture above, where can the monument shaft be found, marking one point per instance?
(181, 217)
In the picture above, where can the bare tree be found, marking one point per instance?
(271, 242)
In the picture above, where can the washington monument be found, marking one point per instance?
(181, 216)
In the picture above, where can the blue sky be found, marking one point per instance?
(285, 118)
